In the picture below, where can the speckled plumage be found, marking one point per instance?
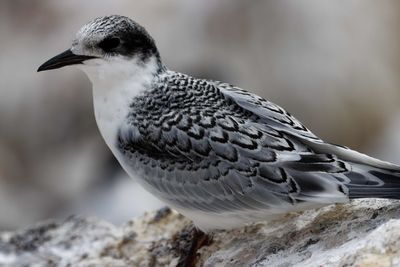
(218, 154)
(212, 147)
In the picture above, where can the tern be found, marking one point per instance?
(216, 153)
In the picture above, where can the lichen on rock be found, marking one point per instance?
(361, 233)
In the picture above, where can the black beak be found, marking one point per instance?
(64, 59)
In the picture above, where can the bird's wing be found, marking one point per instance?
(224, 160)
(273, 115)
(267, 112)
(364, 176)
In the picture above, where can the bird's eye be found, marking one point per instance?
(109, 44)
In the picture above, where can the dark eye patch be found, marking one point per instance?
(108, 44)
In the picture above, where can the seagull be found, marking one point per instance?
(220, 155)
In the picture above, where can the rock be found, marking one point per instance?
(361, 233)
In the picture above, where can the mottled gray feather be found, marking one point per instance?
(214, 147)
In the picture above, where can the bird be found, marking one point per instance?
(218, 154)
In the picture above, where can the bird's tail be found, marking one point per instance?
(368, 177)
(372, 182)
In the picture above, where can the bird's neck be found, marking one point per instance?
(115, 87)
(105, 75)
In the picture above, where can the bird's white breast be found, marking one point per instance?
(116, 83)
(111, 107)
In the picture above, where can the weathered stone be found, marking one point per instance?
(362, 233)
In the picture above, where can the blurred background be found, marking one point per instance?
(335, 65)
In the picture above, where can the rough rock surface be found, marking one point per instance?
(362, 233)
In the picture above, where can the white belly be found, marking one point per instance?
(111, 110)
(115, 85)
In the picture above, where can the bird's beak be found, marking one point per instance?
(64, 59)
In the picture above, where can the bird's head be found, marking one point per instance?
(109, 46)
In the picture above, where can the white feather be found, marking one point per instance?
(208, 221)
(116, 82)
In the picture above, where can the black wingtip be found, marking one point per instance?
(377, 184)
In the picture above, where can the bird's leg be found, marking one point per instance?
(192, 239)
